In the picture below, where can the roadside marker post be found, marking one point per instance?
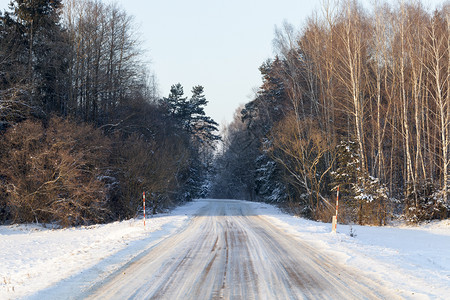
(143, 199)
(335, 217)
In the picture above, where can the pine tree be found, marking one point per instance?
(348, 177)
(190, 115)
(191, 121)
(268, 180)
(199, 124)
(346, 174)
(364, 199)
(40, 49)
(175, 103)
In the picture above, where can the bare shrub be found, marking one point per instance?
(51, 174)
(148, 166)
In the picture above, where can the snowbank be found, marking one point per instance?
(33, 258)
(407, 258)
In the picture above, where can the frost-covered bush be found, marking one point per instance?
(372, 199)
(364, 199)
(425, 203)
(268, 181)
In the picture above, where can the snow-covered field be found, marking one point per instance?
(35, 261)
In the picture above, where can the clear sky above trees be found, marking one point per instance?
(218, 44)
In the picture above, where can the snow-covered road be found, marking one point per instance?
(228, 251)
(214, 248)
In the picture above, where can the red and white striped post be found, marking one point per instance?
(143, 199)
(335, 217)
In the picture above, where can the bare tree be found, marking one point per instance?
(437, 65)
(106, 67)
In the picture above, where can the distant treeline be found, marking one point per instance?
(83, 131)
(356, 99)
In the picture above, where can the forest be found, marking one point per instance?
(83, 130)
(356, 100)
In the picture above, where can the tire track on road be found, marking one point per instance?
(227, 252)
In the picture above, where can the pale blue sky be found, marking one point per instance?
(215, 43)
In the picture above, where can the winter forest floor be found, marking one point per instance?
(43, 263)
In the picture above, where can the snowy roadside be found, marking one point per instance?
(40, 263)
(34, 259)
(414, 261)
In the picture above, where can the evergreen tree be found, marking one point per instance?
(200, 125)
(347, 168)
(346, 177)
(425, 203)
(364, 199)
(38, 47)
(190, 118)
(268, 180)
(190, 113)
(175, 103)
